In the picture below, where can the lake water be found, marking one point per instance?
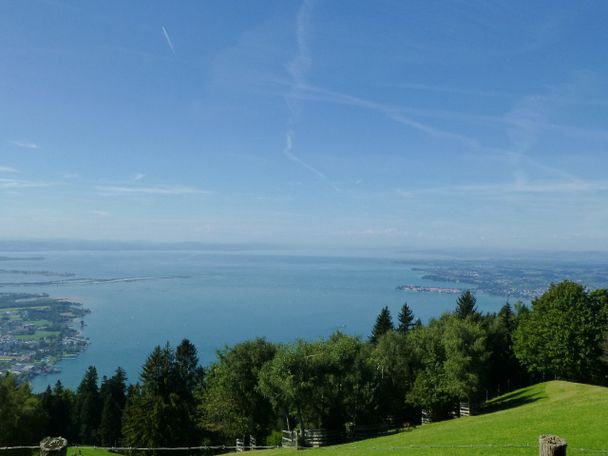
(216, 299)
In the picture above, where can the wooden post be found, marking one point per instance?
(53, 446)
(240, 445)
(464, 409)
(426, 416)
(552, 445)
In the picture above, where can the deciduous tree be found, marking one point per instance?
(21, 416)
(232, 405)
(562, 334)
(451, 355)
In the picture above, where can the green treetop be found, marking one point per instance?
(384, 324)
(405, 319)
(466, 305)
(562, 334)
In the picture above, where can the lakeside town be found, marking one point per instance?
(36, 331)
(422, 289)
(517, 279)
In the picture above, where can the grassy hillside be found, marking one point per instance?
(578, 413)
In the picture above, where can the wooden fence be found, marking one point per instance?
(468, 409)
(425, 416)
(241, 444)
(549, 445)
(289, 439)
(322, 437)
(460, 409)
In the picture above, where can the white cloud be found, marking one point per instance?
(97, 213)
(8, 169)
(151, 190)
(390, 231)
(520, 186)
(138, 176)
(25, 144)
(12, 184)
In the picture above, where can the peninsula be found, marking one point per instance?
(421, 289)
(36, 331)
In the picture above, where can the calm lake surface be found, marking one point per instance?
(215, 299)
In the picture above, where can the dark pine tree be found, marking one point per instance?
(507, 319)
(46, 400)
(189, 379)
(113, 394)
(160, 409)
(405, 319)
(466, 305)
(58, 405)
(148, 421)
(504, 371)
(384, 324)
(188, 372)
(88, 407)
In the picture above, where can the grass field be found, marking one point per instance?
(7, 358)
(39, 323)
(576, 412)
(38, 335)
(88, 452)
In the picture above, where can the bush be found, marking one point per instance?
(275, 438)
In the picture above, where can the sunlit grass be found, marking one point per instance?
(89, 452)
(576, 412)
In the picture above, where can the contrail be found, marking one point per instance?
(287, 151)
(289, 154)
(297, 68)
(168, 38)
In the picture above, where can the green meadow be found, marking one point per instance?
(575, 412)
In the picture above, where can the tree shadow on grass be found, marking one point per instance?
(512, 400)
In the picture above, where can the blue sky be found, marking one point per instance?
(316, 122)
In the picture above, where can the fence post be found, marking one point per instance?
(552, 445)
(240, 445)
(53, 446)
(426, 416)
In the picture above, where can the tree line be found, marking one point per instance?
(258, 387)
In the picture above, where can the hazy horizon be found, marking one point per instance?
(38, 245)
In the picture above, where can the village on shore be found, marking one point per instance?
(36, 331)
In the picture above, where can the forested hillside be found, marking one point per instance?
(258, 387)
